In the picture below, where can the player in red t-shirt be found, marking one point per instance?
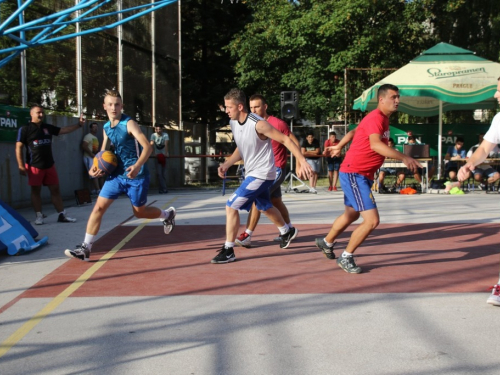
(367, 153)
(258, 106)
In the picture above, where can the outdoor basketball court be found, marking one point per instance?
(153, 303)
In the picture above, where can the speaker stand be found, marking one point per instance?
(291, 176)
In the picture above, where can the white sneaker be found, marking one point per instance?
(169, 222)
(244, 240)
(313, 191)
(494, 298)
(39, 218)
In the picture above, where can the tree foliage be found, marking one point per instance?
(208, 74)
(306, 46)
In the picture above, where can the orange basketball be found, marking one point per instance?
(106, 161)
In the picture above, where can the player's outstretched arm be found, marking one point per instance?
(381, 148)
(223, 168)
(337, 149)
(477, 158)
(264, 128)
(134, 129)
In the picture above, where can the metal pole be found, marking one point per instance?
(291, 155)
(153, 68)
(79, 79)
(179, 19)
(440, 133)
(24, 84)
(120, 50)
(345, 101)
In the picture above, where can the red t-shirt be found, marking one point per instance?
(360, 158)
(328, 143)
(279, 150)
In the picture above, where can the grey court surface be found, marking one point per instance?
(359, 333)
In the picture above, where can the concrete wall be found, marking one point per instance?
(14, 188)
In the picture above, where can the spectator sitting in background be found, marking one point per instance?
(389, 171)
(456, 152)
(484, 171)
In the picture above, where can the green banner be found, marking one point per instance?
(11, 119)
(428, 134)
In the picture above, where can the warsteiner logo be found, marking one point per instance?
(438, 74)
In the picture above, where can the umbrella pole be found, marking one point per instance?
(440, 137)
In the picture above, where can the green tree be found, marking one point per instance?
(208, 69)
(470, 24)
(307, 46)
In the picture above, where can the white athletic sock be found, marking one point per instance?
(164, 214)
(284, 229)
(345, 254)
(289, 225)
(89, 240)
(228, 244)
(329, 244)
(248, 231)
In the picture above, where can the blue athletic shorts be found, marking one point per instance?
(251, 190)
(275, 189)
(136, 189)
(357, 191)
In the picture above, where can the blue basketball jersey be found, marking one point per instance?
(127, 148)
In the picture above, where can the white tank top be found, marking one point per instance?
(257, 154)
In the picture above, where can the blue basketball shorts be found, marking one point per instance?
(251, 190)
(357, 191)
(135, 189)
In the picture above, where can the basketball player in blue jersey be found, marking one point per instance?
(253, 136)
(131, 176)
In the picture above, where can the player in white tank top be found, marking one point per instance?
(252, 135)
(256, 152)
(490, 140)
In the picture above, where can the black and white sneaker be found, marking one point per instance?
(288, 237)
(327, 250)
(225, 255)
(81, 252)
(169, 222)
(65, 219)
(348, 264)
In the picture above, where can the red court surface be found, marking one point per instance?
(406, 258)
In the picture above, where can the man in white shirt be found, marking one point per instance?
(490, 141)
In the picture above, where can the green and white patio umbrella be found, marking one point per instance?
(443, 78)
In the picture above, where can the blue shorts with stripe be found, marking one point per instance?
(136, 189)
(251, 190)
(357, 191)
